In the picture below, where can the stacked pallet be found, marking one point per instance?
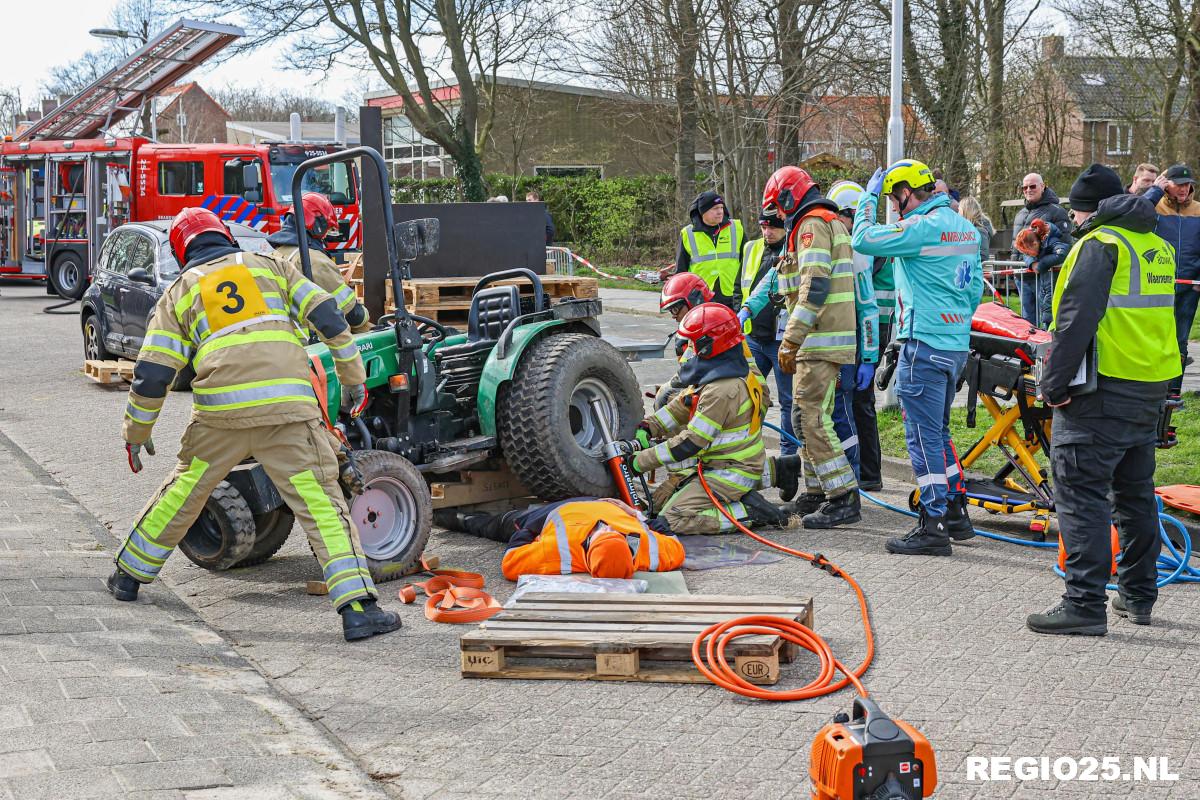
(448, 300)
(630, 637)
(108, 371)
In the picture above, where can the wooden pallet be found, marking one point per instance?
(607, 637)
(108, 371)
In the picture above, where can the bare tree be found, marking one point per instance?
(266, 105)
(440, 56)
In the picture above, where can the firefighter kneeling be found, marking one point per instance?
(232, 314)
(716, 422)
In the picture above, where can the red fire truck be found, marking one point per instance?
(60, 198)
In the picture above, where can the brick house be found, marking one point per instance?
(186, 114)
(543, 129)
(852, 128)
(1094, 108)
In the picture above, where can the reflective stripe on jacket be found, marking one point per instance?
(724, 433)
(715, 262)
(235, 318)
(326, 275)
(939, 278)
(559, 548)
(1135, 340)
(822, 312)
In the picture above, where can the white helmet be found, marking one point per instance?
(845, 194)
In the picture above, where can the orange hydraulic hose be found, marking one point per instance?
(713, 665)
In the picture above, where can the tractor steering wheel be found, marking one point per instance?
(439, 332)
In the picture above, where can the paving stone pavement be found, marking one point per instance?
(953, 656)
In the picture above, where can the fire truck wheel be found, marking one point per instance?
(224, 533)
(68, 276)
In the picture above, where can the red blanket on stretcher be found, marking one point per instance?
(996, 319)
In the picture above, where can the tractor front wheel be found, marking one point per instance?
(393, 515)
(547, 427)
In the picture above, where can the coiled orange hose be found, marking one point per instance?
(713, 665)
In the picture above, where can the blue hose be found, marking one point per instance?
(1173, 566)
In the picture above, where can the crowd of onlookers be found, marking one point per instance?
(1042, 238)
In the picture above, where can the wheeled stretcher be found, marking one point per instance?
(1000, 370)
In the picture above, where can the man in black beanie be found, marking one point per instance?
(1114, 323)
(711, 246)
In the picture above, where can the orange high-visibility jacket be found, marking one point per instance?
(558, 548)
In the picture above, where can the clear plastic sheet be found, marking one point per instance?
(712, 552)
(583, 584)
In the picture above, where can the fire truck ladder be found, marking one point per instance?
(160, 63)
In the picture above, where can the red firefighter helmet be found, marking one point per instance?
(687, 288)
(190, 223)
(319, 217)
(785, 189)
(712, 329)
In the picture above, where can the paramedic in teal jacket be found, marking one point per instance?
(939, 280)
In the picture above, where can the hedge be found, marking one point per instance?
(625, 221)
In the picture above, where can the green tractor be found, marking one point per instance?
(514, 392)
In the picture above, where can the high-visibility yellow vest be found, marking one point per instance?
(715, 262)
(751, 262)
(1136, 337)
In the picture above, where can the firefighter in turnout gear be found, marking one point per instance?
(320, 223)
(816, 278)
(233, 316)
(716, 422)
(680, 294)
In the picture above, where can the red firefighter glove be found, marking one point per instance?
(787, 358)
(354, 399)
(133, 453)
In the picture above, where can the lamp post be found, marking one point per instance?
(895, 130)
(143, 37)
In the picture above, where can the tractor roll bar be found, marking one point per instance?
(368, 154)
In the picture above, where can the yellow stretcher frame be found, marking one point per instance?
(1019, 451)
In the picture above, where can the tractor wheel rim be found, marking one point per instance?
(91, 344)
(205, 537)
(386, 517)
(583, 424)
(68, 276)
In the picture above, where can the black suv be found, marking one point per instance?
(135, 267)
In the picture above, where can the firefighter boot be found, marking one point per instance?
(808, 503)
(841, 510)
(122, 587)
(927, 538)
(787, 476)
(763, 512)
(958, 521)
(1064, 620)
(364, 618)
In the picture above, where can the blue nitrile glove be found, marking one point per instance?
(875, 185)
(862, 378)
(743, 315)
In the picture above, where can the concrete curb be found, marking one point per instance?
(639, 312)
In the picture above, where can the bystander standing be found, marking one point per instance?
(1040, 203)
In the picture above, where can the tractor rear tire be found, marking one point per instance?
(393, 515)
(271, 531)
(547, 430)
(224, 533)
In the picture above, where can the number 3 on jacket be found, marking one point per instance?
(231, 297)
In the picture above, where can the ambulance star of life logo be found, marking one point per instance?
(806, 239)
(962, 275)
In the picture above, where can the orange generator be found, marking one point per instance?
(870, 756)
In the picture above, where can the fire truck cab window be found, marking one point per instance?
(243, 177)
(181, 177)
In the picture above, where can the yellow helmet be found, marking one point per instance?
(914, 173)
